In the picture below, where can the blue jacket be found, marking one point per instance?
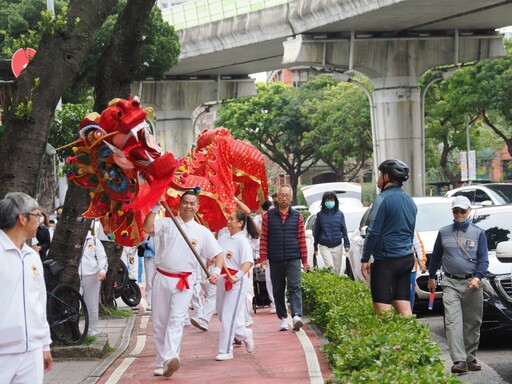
(330, 229)
(392, 223)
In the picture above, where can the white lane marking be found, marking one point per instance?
(120, 370)
(144, 322)
(315, 373)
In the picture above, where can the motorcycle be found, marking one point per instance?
(125, 287)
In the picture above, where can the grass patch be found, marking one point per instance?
(115, 312)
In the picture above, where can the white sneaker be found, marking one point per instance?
(297, 323)
(224, 356)
(249, 342)
(187, 322)
(283, 326)
(199, 323)
(249, 322)
(171, 366)
(158, 372)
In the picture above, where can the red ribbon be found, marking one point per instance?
(183, 278)
(227, 284)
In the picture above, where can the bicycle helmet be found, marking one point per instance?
(397, 170)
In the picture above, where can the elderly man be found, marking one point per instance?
(283, 243)
(461, 249)
(175, 263)
(24, 332)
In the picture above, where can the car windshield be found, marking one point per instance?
(503, 192)
(432, 216)
(497, 227)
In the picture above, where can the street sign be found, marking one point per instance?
(20, 59)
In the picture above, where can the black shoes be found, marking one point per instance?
(474, 366)
(459, 367)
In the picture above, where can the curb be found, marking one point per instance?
(95, 375)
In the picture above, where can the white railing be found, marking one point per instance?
(193, 13)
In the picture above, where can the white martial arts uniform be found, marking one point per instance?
(24, 331)
(94, 260)
(169, 303)
(237, 251)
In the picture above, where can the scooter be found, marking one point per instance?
(125, 287)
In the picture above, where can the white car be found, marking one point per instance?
(485, 194)
(433, 213)
(352, 215)
(313, 193)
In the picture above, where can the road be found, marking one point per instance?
(495, 348)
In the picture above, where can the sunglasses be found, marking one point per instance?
(457, 211)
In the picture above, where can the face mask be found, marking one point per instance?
(329, 204)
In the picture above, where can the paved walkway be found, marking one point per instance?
(278, 357)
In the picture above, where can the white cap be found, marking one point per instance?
(461, 202)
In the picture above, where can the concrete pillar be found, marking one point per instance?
(175, 100)
(394, 64)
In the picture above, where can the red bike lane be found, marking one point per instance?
(278, 357)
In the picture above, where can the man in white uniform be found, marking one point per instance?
(175, 263)
(24, 333)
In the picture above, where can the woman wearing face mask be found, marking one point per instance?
(330, 233)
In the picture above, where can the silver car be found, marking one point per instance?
(485, 194)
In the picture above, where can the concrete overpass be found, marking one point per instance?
(393, 42)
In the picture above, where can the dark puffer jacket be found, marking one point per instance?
(330, 229)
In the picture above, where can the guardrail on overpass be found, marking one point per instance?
(200, 12)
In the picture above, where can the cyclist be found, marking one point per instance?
(24, 333)
(389, 239)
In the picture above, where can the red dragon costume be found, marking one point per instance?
(118, 159)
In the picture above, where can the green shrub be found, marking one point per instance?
(363, 347)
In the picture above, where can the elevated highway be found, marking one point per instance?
(393, 42)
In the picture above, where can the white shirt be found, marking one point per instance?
(23, 324)
(237, 250)
(94, 259)
(172, 251)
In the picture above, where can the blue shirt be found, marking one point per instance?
(392, 222)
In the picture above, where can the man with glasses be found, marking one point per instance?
(461, 250)
(24, 333)
(283, 243)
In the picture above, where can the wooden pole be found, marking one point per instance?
(198, 257)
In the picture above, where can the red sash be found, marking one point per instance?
(227, 284)
(183, 276)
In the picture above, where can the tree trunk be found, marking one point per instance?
(47, 184)
(117, 64)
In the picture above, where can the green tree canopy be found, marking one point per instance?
(342, 129)
(272, 121)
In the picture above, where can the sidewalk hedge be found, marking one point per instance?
(363, 347)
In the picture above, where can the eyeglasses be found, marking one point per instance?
(284, 196)
(38, 215)
(457, 211)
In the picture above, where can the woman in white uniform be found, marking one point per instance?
(92, 270)
(231, 295)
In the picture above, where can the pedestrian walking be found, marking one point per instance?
(420, 263)
(175, 262)
(283, 247)
(24, 332)
(330, 233)
(232, 294)
(461, 250)
(389, 240)
(146, 250)
(92, 271)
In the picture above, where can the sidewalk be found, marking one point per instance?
(278, 357)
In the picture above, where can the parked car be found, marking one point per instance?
(497, 284)
(433, 213)
(352, 219)
(313, 193)
(485, 194)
